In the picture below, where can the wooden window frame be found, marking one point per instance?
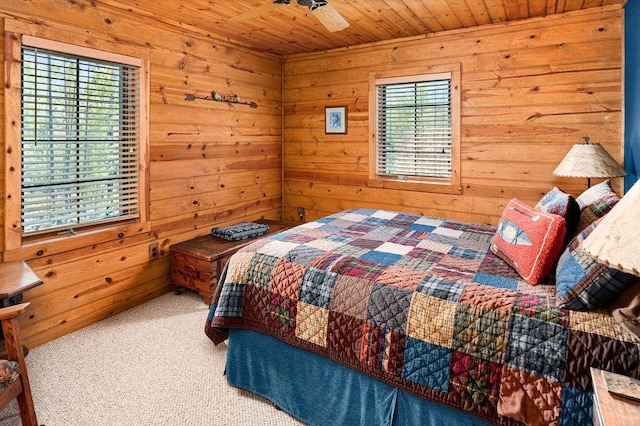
(448, 186)
(16, 245)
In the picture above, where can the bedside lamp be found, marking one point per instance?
(616, 240)
(587, 160)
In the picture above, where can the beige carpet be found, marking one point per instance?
(150, 365)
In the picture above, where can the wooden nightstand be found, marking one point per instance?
(197, 264)
(610, 409)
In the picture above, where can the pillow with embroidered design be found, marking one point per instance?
(529, 240)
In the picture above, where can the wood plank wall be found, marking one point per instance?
(211, 163)
(530, 90)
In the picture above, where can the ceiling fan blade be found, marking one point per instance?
(330, 18)
(254, 13)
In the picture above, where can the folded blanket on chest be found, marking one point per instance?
(240, 231)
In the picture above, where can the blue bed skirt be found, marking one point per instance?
(319, 391)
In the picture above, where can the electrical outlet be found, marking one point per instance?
(301, 213)
(154, 253)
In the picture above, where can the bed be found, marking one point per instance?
(378, 317)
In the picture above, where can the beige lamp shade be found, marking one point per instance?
(616, 240)
(589, 161)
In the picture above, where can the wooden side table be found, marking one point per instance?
(15, 279)
(610, 409)
(197, 264)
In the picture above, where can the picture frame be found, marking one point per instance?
(335, 120)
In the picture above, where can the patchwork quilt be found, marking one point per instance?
(423, 304)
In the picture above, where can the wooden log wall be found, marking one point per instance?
(529, 91)
(211, 163)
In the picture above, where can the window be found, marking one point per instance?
(415, 131)
(76, 141)
(79, 141)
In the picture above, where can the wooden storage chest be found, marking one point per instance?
(197, 264)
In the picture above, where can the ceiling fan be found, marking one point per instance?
(321, 9)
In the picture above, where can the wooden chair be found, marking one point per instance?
(14, 382)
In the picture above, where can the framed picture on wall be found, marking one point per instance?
(335, 119)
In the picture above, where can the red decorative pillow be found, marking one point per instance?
(529, 240)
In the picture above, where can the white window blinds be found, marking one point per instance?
(80, 141)
(413, 123)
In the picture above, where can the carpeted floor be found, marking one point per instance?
(150, 365)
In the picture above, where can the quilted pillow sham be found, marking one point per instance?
(529, 240)
(559, 202)
(595, 202)
(584, 284)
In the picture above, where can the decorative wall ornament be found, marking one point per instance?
(215, 96)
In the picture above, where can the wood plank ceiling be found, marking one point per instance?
(291, 29)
